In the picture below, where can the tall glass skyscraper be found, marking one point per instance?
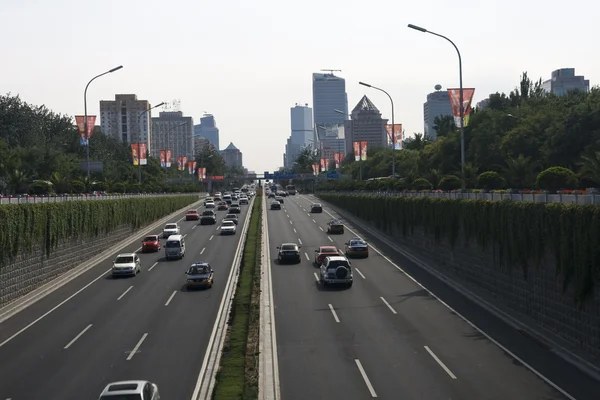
(329, 94)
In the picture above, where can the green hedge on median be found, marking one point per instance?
(24, 225)
(519, 234)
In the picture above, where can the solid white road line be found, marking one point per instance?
(365, 378)
(295, 230)
(211, 237)
(78, 336)
(202, 252)
(299, 241)
(137, 347)
(153, 265)
(330, 239)
(316, 276)
(170, 298)
(432, 354)
(314, 221)
(321, 229)
(307, 257)
(360, 273)
(125, 292)
(388, 305)
(334, 314)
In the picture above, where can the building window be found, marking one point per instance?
(124, 128)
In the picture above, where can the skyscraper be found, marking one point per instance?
(207, 128)
(366, 124)
(301, 135)
(120, 118)
(173, 131)
(329, 95)
(437, 105)
(564, 80)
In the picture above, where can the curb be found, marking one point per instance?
(35, 295)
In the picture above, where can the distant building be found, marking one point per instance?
(207, 128)
(564, 80)
(301, 135)
(172, 131)
(329, 94)
(366, 124)
(437, 105)
(232, 156)
(120, 119)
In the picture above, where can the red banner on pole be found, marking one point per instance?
(135, 153)
(143, 155)
(363, 150)
(454, 95)
(336, 159)
(323, 164)
(168, 158)
(395, 137)
(356, 151)
(163, 158)
(80, 122)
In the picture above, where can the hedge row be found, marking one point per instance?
(520, 234)
(24, 225)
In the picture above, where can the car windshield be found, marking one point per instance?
(122, 397)
(288, 247)
(338, 263)
(197, 270)
(227, 223)
(171, 226)
(124, 260)
(173, 244)
(150, 239)
(357, 242)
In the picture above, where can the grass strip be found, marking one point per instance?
(231, 381)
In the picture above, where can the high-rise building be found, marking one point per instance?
(172, 131)
(329, 95)
(366, 124)
(437, 105)
(301, 135)
(207, 128)
(232, 156)
(124, 119)
(564, 80)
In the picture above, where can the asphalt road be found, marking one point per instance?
(386, 337)
(145, 327)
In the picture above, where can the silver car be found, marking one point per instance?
(130, 390)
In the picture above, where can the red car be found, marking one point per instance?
(192, 215)
(151, 243)
(325, 251)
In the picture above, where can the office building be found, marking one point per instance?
(329, 94)
(365, 124)
(173, 131)
(232, 156)
(437, 105)
(207, 128)
(564, 80)
(125, 120)
(301, 122)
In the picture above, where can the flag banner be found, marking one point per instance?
(396, 136)
(163, 159)
(190, 168)
(342, 157)
(143, 154)
(200, 174)
(356, 151)
(336, 159)
(454, 95)
(323, 164)
(363, 150)
(203, 172)
(134, 154)
(183, 163)
(315, 168)
(179, 163)
(193, 167)
(91, 123)
(168, 158)
(81, 129)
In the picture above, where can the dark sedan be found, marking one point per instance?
(289, 252)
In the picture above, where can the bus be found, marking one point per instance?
(291, 189)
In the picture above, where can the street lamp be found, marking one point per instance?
(85, 124)
(393, 127)
(352, 142)
(139, 130)
(462, 110)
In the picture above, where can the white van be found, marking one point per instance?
(227, 198)
(175, 247)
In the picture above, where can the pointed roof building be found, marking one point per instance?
(365, 104)
(231, 147)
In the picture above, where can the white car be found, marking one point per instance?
(126, 264)
(228, 228)
(140, 390)
(171, 229)
(243, 200)
(209, 204)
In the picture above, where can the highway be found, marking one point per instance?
(145, 327)
(386, 337)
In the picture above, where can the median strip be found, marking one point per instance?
(238, 373)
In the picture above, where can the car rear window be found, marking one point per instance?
(150, 239)
(173, 244)
(231, 216)
(338, 263)
(171, 226)
(122, 397)
(288, 247)
(207, 213)
(227, 223)
(124, 260)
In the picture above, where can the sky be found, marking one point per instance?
(248, 62)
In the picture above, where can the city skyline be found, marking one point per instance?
(268, 78)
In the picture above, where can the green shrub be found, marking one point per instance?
(491, 180)
(556, 178)
(422, 184)
(449, 182)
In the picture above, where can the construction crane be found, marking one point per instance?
(331, 71)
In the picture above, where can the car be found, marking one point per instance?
(232, 217)
(235, 204)
(200, 275)
(279, 199)
(235, 209)
(356, 247)
(289, 252)
(126, 264)
(223, 206)
(275, 205)
(208, 200)
(316, 208)
(227, 198)
(335, 226)
(218, 199)
(244, 201)
(171, 229)
(131, 390)
(336, 271)
(208, 218)
(151, 243)
(325, 251)
(192, 215)
(210, 204)
(227, 228)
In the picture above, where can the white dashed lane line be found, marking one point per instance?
(365, 378)
(299, 241)
(78, 336)
(360, 273)
(441, 364)
(137, 347)
(321, 229)
(316, 276)
(202, 251)
(314, 221)
(388, 305)
(295, 230)
(170, 298)
(335, 316)
(330, 239)
(153, 265)
(125, 292)
(211, 237)
(307, 257)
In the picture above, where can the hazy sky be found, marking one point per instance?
(248, 62)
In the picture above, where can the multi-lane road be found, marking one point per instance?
(387, 337)
(96, 330)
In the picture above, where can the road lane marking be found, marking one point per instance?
(334, 314)
(291, 222)
(388, 305)
(436, 358)
(170, 298)
(316, 276)
(299, 241)
(295, 230)
(365, 378)
(153, 265)
(314, 221)
(184, 236)
(211, 237)
(194, 227)
(202, 252)
(288, 215)
(125, 292)
(137, 347)
(218, 227)
(137, 250)
(360, 273)
(307, 213)
(330, 239)
(78, 336)
(307, 257)
(321, 229)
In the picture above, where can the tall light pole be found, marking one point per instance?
(85, 127)
(462, 109)
(139, 130)
(352, 142)
(393, 127)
